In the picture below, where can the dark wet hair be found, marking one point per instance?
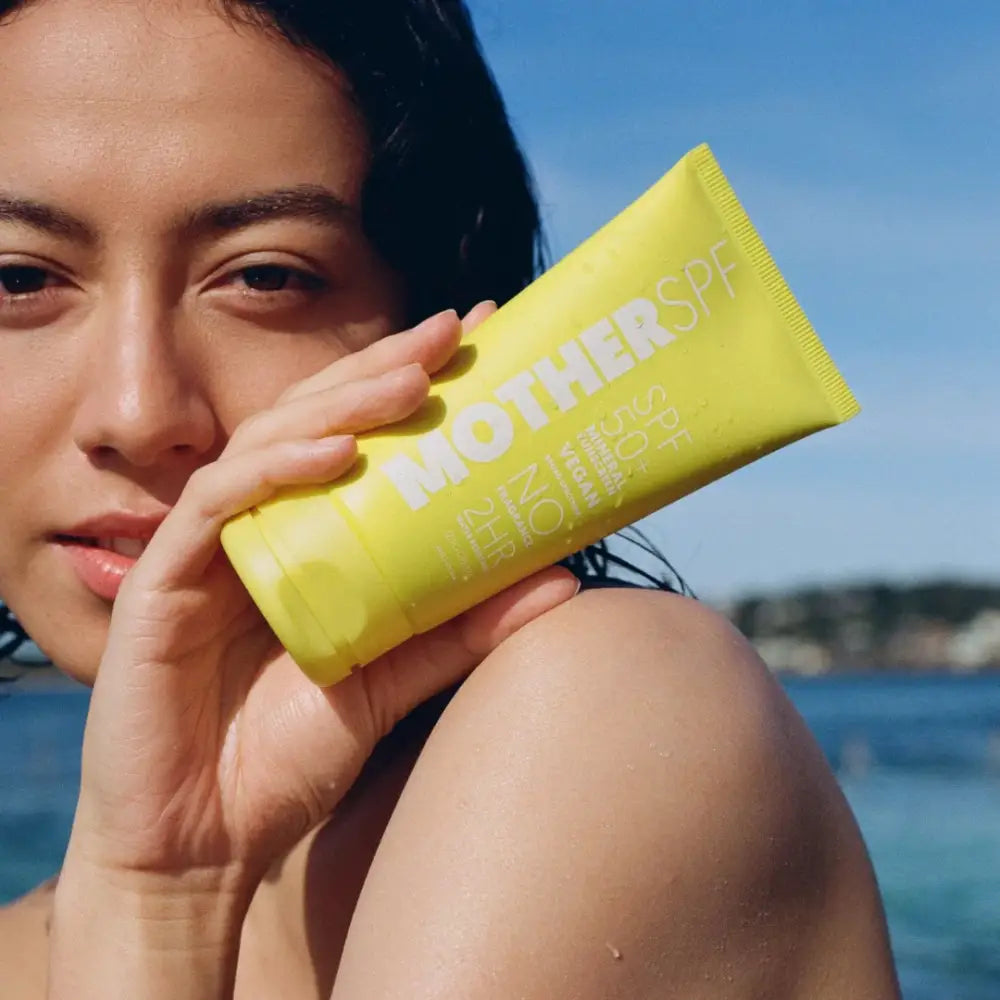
(449, 202)
(12, 634)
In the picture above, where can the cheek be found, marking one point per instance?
(36, 408)
(41, 477)
(254, 369)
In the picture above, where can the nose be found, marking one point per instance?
(142, 400)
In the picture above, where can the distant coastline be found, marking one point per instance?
(933, 626)
(928, 627)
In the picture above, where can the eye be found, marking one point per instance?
(28, 293)
(18, 280)
(275, 278)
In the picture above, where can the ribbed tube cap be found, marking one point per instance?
(315, 583)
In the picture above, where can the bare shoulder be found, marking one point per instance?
(24, 944)
(664, 636)
(649, 674)
(621, 801)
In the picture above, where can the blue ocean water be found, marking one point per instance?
(918, 758)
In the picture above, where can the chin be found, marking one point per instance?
(82, 673)
(75, 663)
(74, 642)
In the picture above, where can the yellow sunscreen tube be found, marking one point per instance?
(663, 353)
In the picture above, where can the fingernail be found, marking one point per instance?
(466, 329)
(485, 304)
(449, 314)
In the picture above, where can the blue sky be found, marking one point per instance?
(862, 140)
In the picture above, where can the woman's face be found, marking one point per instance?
(179, 242)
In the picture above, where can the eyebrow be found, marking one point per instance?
(304, 201)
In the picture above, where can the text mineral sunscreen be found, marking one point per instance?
(663, 353)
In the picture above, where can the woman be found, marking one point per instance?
(212, 220)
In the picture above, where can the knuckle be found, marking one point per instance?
(248, 429)
(330, 376)
(339, 409)
(385, 354)
(200, 482)
(296, 390)
(352, 405)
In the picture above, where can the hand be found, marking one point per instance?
(207, 750)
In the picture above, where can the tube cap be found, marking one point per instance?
(315, 583)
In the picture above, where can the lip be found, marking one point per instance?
(101, 570)
(121, 524)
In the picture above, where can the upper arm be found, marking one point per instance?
(618, 803)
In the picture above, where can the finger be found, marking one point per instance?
(429, 344)
(482, 628)
(426, 664)
(477, 315)
(341, 409)
(187, 540)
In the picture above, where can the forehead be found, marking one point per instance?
(153, 92)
